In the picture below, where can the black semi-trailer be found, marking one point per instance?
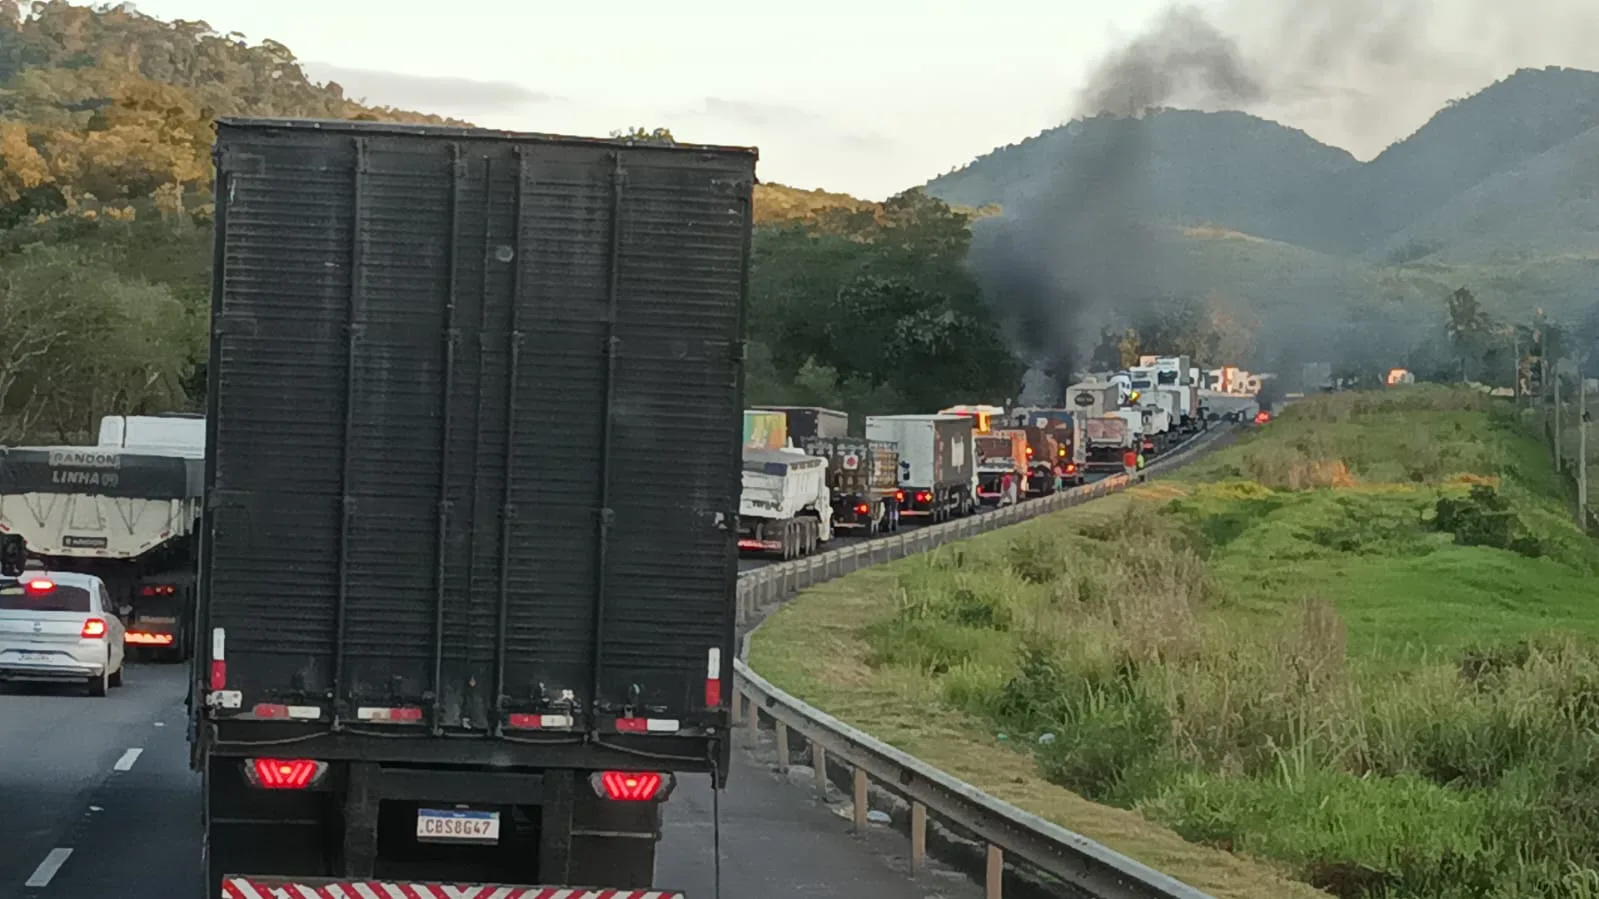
(457, 628)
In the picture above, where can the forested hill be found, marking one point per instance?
(115, 107)
(1533, 129)
(106, 122)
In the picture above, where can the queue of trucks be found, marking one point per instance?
(807, 479)
(435, 649)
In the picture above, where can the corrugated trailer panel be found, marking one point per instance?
(418, 335)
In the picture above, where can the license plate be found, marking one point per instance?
(35, 656)
(457, 825)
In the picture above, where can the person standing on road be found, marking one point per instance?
(1130, 461)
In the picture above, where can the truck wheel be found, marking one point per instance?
(788, 540)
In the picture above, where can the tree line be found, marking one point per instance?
(106, 126)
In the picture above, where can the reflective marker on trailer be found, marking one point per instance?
(713, 678)
(400, 715)
(143, 638)
(325, 888)
(278, 710)
(648, 725)
(532, 721)
(219, 665)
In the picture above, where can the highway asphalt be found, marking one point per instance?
(97, 799)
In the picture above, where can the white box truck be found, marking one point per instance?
(937, 462)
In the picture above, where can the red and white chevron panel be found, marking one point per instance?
(318, 888)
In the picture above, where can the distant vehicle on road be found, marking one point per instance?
(60, 626)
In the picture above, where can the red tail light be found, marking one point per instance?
(1071, 467)
(284, 774)
(923, 496)
(630, 786)
(41, 585)
(158, 590)
(94, 628)
(863, 509)
(1029, 452)
(899, 496)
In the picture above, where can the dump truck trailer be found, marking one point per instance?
(126, 510)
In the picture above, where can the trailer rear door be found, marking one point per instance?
(475, 417)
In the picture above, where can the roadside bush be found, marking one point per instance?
(1186, 652)
(1484, 517)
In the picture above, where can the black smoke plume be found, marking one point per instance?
(1079, 253)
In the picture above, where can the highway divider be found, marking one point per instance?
(1010, 835)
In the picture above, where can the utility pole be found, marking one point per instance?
(1556, 379)
(1582, 450)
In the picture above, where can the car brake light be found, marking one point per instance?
(629, 786)
(284, 774)
(41, 585)
(94, 628)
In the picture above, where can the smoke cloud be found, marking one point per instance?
(1082, 252)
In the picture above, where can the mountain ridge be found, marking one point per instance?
(1260, 177)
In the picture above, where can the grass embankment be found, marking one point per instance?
(1356, 649)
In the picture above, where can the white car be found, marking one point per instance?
(60, 626)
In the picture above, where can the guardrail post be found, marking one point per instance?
(782, 746)
(752, 717)
(819, 766)
(861, 807)
(918, 838)
(996, 872)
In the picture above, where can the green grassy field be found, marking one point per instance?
(1356, 649)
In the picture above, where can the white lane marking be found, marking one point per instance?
(47, 869)
(160, 724)
(127, 760)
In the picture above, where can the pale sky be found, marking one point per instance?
(872, 96)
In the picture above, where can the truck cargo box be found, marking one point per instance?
(811, 421)
(934, 450)
(474, 416)
(765, 429)
(1094, 399)
(1110, 430)
(857, 466)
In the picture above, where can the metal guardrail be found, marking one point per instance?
(1008, 832)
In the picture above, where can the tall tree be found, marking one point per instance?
(1469, 327)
